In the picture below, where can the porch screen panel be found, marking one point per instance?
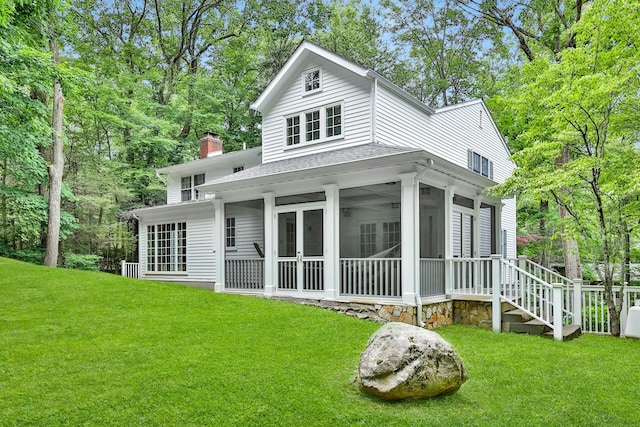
(457, 234)
(468, 235)
(485, 232)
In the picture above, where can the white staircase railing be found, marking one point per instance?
(552, 302)
(528, 293)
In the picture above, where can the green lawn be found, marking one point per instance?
(96, 349)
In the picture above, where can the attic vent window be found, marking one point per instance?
(312, 81)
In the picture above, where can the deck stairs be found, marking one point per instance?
(519, 321)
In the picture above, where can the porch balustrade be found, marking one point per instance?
(130, 269)
(432, 277)
(595, 314)
(372, 277)
(244, 274)
(471, 276)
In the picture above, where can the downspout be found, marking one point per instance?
(419, 176)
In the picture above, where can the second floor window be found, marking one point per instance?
(314, 125)
(293, 130)
(480, 164)
(188, 186)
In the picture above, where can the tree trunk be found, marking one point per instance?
(545, 251)
(570, 250)
(55, 169)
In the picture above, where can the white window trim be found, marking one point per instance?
(156, 263)
(233, 248)
(192, 188)
(303, 77)
(323, 126)
(470, 157)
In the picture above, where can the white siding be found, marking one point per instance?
(174, 179)
(249, 230)
(449, 133)
(201, 260)
(400, 123)
(508, 220)
(338, 85)
(454, 131)
(173, 189)
(200, 251)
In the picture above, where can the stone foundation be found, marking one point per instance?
(467, 312)
(434, 315)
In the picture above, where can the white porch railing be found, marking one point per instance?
(432, 279)
(371, 277)
(471, 276)
(288, 274)
(595, 314)
(244, 274)
(313, 275)
(130, 269)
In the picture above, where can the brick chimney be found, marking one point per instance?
(210, 145)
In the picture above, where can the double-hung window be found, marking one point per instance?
(480, 164)
(315, 125)
(312, 125)
(293, 130)
(167, 247)
(230, 233)
(188, 186)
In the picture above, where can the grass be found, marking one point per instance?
(96, 349)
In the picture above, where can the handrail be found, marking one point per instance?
(563, 279)
(524, 296)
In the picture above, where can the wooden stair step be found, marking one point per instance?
(569, 332)
(515, 316)
(532, 327)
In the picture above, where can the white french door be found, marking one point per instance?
(300, 249)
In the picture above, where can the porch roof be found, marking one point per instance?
(366, 156)
(173, 207)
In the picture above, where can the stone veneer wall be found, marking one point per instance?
(434, 315)
(468, 312)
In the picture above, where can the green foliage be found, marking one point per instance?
(78, 346)
(81, 261)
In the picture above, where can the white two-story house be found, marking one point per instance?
(360, 192)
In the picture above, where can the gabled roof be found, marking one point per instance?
(304, 50)
(307, 49)
(477, 101)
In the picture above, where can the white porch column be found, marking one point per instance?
(449, 192)
(218, 243)
(332, 242)
(270, 272)
(410, 229)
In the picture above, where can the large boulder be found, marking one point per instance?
(402, 361)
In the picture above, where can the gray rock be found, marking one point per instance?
(402, 361)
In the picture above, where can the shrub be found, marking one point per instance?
(81, 261)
